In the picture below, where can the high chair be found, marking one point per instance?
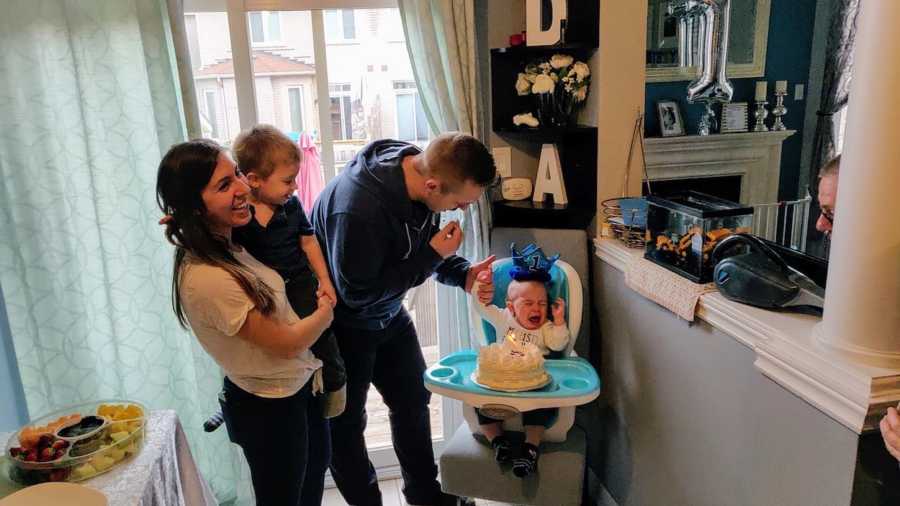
(467, 466)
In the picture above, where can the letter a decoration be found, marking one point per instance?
(549, 178)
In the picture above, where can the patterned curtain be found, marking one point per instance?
(835, 80)
(835, 90)
(440, 37)
(89, 101)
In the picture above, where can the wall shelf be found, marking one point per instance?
(545, 135)
(577, 144)
(521, 213)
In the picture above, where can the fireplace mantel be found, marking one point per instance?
(755, 156)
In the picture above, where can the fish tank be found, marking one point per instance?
(683, 229)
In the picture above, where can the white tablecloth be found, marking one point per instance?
(162, 474)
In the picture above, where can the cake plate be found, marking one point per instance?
(547, 380)
(573, 381)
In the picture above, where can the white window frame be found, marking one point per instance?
(340, 38)
(287, 105)
(266, 19)
(342, 94)
(408, 91)
(238, 24)
(213, 122)
(239, 28)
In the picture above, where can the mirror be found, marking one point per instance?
(746, 49)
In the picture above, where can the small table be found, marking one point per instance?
(163, 473)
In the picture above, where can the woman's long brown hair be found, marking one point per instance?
(183, 173)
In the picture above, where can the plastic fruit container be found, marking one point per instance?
(77, 442)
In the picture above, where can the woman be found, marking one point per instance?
(238, 310)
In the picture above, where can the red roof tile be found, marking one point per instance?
(264, 62)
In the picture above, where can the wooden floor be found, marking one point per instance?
(378, 431)
(390, 496)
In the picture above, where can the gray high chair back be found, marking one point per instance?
(467, 466)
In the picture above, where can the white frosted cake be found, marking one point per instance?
(510, 367)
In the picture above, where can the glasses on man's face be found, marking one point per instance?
(813, 191)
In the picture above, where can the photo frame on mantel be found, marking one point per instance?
(671, 123)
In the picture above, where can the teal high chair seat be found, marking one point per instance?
(467, 467)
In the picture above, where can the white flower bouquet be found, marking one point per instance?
(560, 86)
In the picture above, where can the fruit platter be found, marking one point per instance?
(76, 443)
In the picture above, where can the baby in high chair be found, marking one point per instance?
(526, 319)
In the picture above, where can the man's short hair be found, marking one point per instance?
(262, 147)
(457, 158)
(832, 168)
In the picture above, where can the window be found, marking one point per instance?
(295, 105)
(292, 52)
(265, 27)
(340, 25)
(340, 112)
(212, 115)
(412, 125)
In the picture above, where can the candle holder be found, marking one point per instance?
(779, 110)
(760, 114)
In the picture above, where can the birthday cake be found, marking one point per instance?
(511, 367)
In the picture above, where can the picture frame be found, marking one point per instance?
(735, 118)
(671, 123)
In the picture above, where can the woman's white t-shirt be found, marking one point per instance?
(216, 308)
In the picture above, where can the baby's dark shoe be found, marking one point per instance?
(502, 449)
(526, 463)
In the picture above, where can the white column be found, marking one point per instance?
(862, 305)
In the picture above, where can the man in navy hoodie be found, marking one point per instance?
(378, 224)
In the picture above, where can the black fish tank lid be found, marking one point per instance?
(700, 205)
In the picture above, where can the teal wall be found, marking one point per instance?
(787, 58)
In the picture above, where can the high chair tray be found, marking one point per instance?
(573, 382)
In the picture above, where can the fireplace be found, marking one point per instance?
(753, 158)
(741, 167)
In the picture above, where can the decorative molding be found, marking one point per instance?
(855, 395)
(754, 156)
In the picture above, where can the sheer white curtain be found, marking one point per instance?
(89, 101)
(440, 37)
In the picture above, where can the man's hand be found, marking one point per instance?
(890, 431)
(327, 289)
(447, 240)
(559, 312)
(482, 272)
(325, 306)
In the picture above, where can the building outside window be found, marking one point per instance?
(265, 27)
(340, 24)
(412, 125)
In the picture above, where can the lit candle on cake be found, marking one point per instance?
(515, 347)
(761, 87)
(781, 87)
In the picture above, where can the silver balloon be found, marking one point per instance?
(712, 18)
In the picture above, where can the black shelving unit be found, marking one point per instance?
(577, 144)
